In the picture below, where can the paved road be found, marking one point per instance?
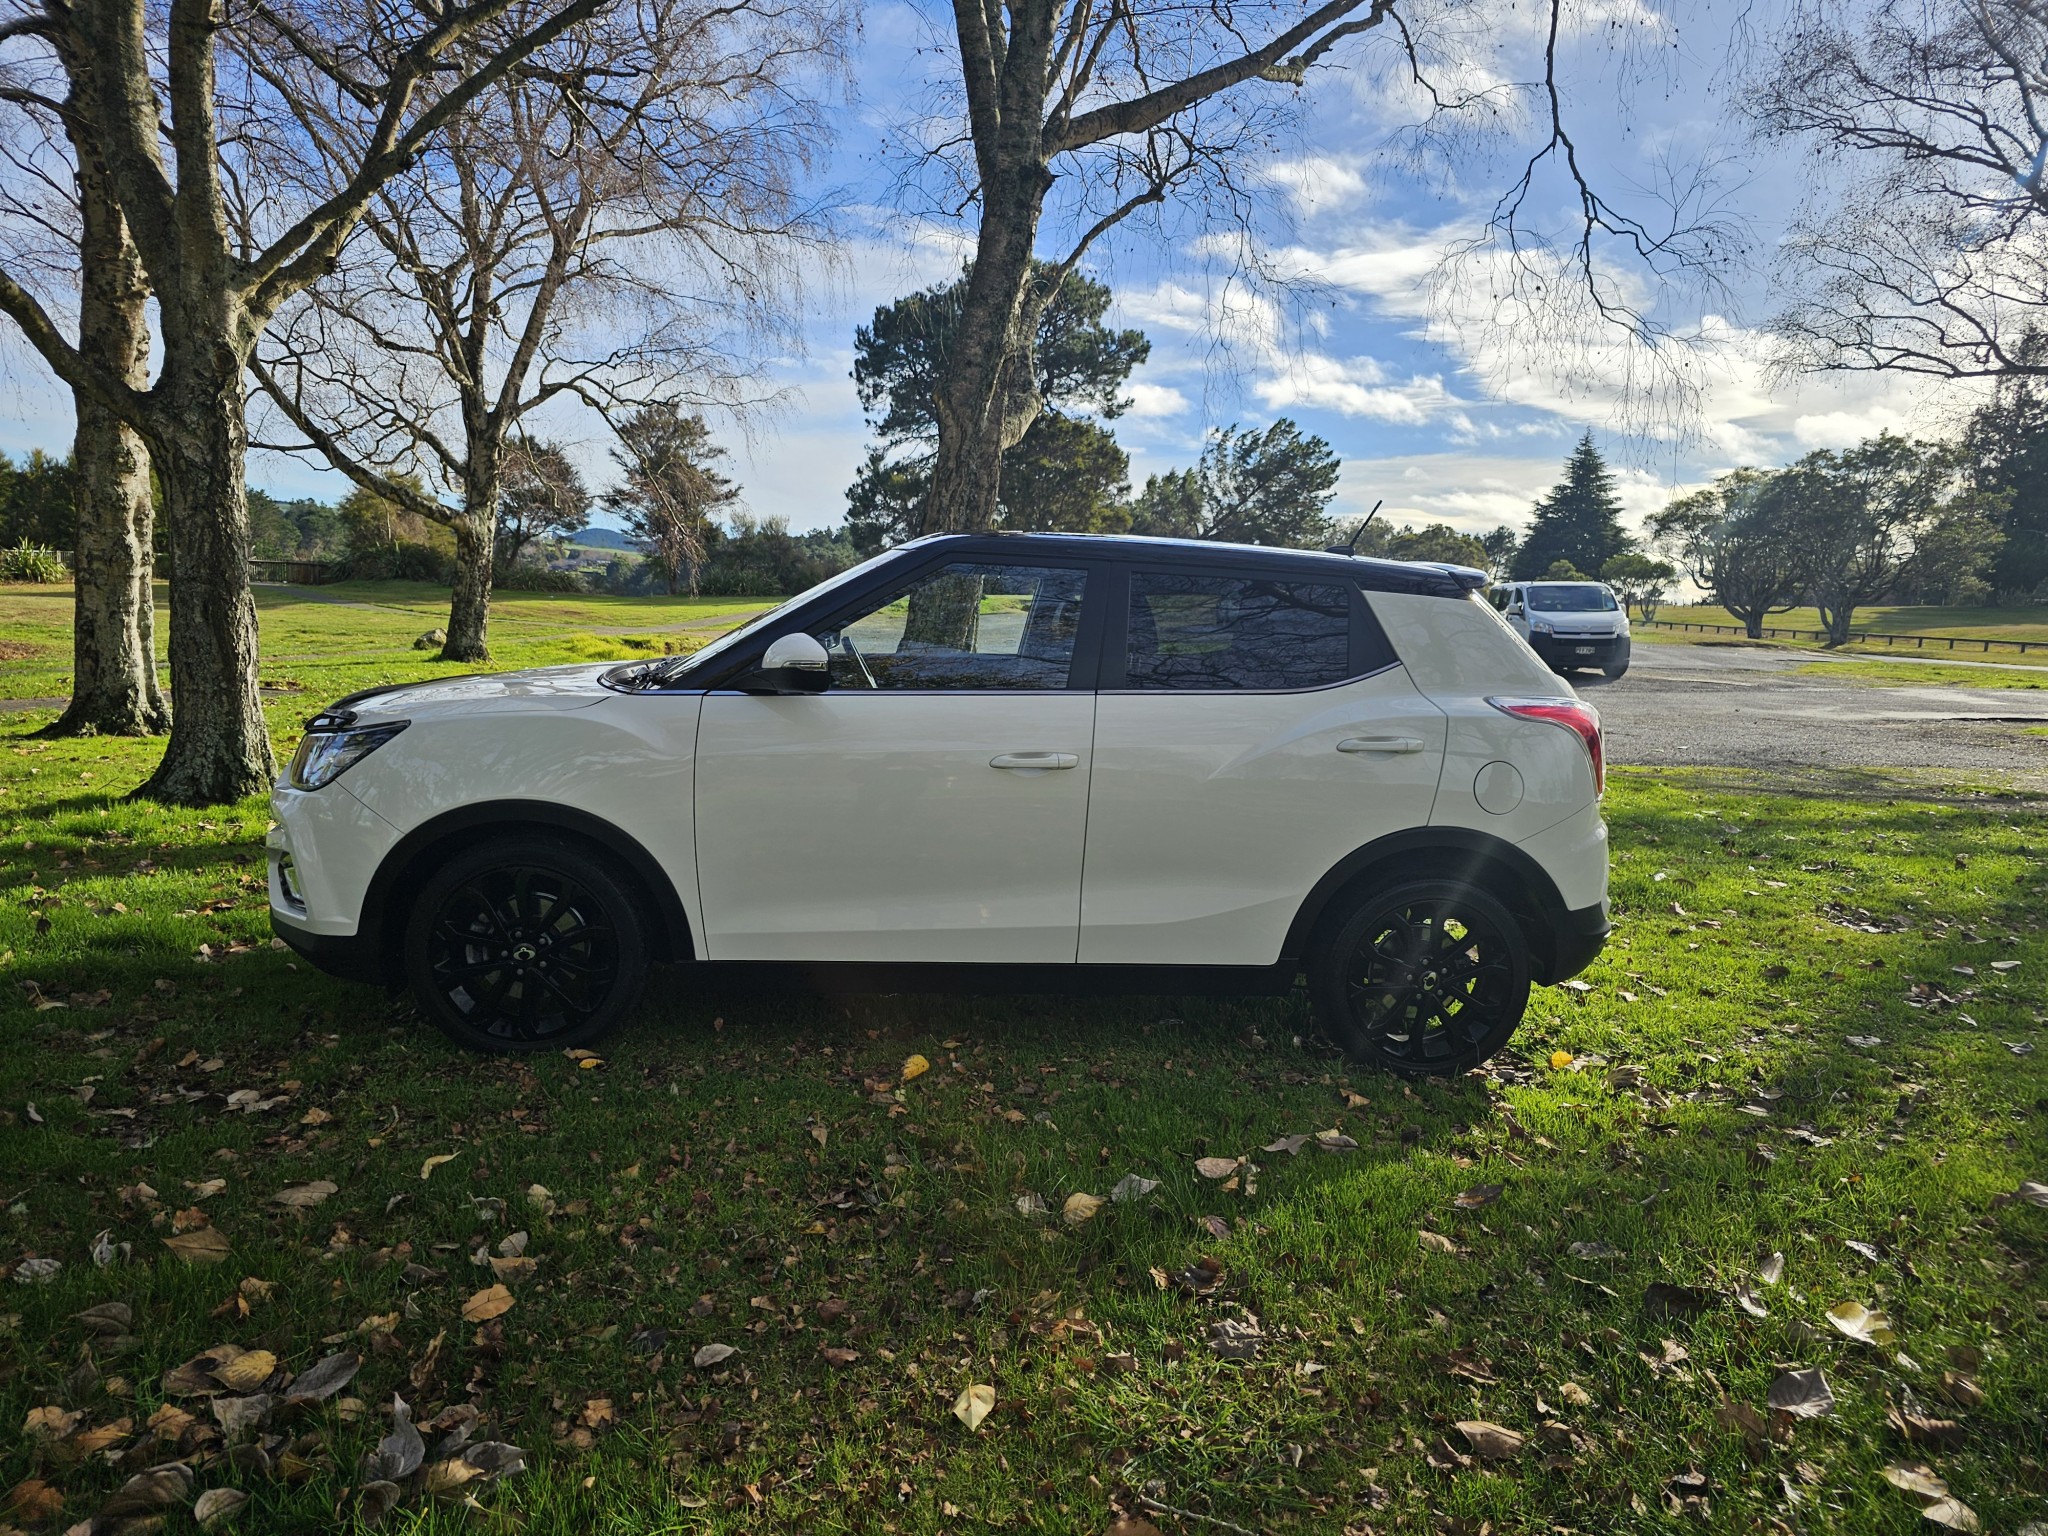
(1747, 706)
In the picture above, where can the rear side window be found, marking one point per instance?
(1199, 633)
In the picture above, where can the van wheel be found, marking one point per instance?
(1616, 673)
(1429, 977)
(525, 943)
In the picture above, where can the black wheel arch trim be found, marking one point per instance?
(669, 936)
(1567, 943)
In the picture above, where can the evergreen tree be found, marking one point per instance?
(1066, 474)
(1578, 522)
(1251, 487)
(2005, 449)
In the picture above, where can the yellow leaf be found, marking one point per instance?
(493, 1301)
(1079, 1208)
(427, 1168)
(973, 1405)
(246, 1372)
(915, 1066)
(1559, 1060)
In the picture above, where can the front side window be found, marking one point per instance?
(1576, 598)
(1227, 632)
(964, 626)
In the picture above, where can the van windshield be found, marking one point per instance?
(1571, 598)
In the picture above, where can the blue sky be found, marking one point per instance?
(1430, 404)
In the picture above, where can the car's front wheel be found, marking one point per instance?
(1615, 672)
(525, 943)
(1428, 977)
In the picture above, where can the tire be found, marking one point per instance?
(526, 943)
(1615, 674)
(1375, 997)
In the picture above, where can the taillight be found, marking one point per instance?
(1573, 715)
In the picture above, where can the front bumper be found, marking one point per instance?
(1581, 650)
(345, 955)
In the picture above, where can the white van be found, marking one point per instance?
(1568, 623)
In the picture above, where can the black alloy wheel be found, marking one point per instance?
(1429, 978)
(525, 944)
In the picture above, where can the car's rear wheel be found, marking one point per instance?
(525, 943)
(1427, 977)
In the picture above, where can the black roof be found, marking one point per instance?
(1372, 575)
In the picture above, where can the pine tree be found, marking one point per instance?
(1578, 522)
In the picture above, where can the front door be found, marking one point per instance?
(931, 804)
(1262, 730)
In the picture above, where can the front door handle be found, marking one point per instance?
(1029, 762)
(1380, 744)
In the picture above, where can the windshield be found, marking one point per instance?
(1571, 597)
(666, 674)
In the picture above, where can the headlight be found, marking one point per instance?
(333, 744)
(1539, 626)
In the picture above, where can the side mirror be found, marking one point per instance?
(796, 664)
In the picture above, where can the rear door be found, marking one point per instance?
(930, 804)
(1250, 732)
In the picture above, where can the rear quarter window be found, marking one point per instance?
(1201, 633)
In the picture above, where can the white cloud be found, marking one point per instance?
(1356, 386)
(1155, 400)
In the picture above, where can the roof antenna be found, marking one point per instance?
(1351, 546)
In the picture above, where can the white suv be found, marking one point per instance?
(1568, 623)
(1003, 762)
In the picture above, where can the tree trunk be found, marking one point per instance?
(219, 750)
(987, 395)
(114, 689)
(469, 611)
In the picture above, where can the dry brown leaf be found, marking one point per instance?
(427, 1168)
(1436, 1242)
(50, 1422)
(712, 1354)
(203, 1245)
(303, 1196)
(1858, 1322)
(31, 1501)
(598, 1412)
(834, 1355)
(1478, 1195)
(512, 1271)
(1216, 1167)
(1080, 1208)
(492, 1301)
(1803, 1394)
(1491, 1441)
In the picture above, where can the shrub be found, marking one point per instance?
(32, 562)
(403, 561)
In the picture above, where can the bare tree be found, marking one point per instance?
(608, 224)
(1929, 255)
(152, 82)
(114, 687)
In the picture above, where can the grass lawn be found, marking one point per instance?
(2027, 623)
(1909, 674)
(1814, 1035)
(328, 641)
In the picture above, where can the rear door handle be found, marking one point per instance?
(1380, 744)
(1038, 762)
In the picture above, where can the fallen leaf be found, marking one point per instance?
(51, 1422)
(712, 1354)
(1200, 1277)
(1594, 1250)
(1032, 1204)
(1477, 1196)
(399, 1454)
(493, 1301)
(1773, 1270)
(447, 1479)
(147, 1492)
(1803, 1394)
(1917, 1480)
(1236, 1338)
(1559, 1060)
(2031, 1193)
(1291, 1145)
(31, 1501)
(1334, 1140)
(1216, 1167)
(302, 1196)
(205, 1245)
(1491, 1441)
(1917, 1429)
(597, 1413)
(375, 1500)
(246, 1371)
(37, 1271)
(973, 1405)
(1131, 1187)
(915, 1066)
(1079, 1208)
(1436, 1242)
(1740, 1416)
(512, 1271)
(324, 1378)
(837, 1356)
(1951, 1513)
(1575, 1394)
(427, 1168)
(1855, 1321)
(538, 1197)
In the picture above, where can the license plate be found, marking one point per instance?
(1586, 650)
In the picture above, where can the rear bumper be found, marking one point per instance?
(345, 955)
(1578, 939)
(1581, 651)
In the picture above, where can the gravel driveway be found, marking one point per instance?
(1747, 707)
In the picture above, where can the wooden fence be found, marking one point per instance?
(1864, 636)
(299, 573)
